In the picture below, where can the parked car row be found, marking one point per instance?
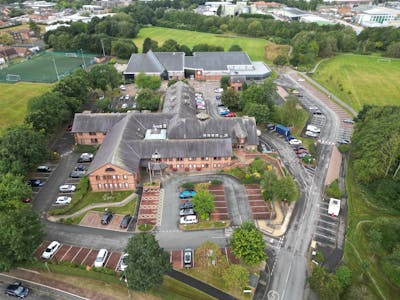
(200, 103)
(108, 215)
(186, 209)
(302, 153)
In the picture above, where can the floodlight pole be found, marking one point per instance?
(83, 60)
(55, 68)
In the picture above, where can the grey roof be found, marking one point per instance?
(101, 122)
(216, 61)
(179, 100)
(147, 63)
(172, 61)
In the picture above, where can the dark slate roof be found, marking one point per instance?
(147, 63)
(172, 61)
(99, 122)
(216, 61)
(180, 101)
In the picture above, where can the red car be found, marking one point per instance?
(230, 115)
(301, 151)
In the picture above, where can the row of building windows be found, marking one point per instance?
(92, 133)
(113, 186)
(195, 158)
(109, 177)
(193, 166)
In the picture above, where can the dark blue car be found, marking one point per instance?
(187, 194)
(17, 290)
(35, 182)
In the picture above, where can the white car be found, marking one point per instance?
(101, 258)
(89, 155)
(127, 97)
(219, 90)
(51, 250)
(122, 87)
(295, 142)
(67, 188)
(311, 134)
(63, 200)
(123, 263)
(125, 105)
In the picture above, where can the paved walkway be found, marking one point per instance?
(208, 289)
(277, 229)
(92, 206)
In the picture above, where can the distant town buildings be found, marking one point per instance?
(379, 16)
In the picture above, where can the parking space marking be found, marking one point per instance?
(327, 229)
(327, 222)
(326, 237)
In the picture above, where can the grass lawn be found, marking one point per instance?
(362, 210)
(127, 209)
(90, 198)
(253, 46)
(14, 99)
(360, 80)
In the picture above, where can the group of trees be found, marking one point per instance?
(330, 285)
(111, 34)
(278, 189)
(375, 153)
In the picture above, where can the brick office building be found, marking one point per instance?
(174, 139)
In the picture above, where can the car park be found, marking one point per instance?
(125, 221)
(101, 258)
(17, 290)
(77, 174)
(311, 134)
(51, 250)
(187, 194)
(67, 188)
(106, 218)
(43, 169)
(295, 142)
(188, 258)
(63, 200)
(185, 205)
(192, 219)
(123, 262)
(35, 182)
(313, 128)
(186, 212)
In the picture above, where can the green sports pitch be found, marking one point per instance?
(45, 67)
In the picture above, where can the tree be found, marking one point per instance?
(104, 76)
(13, 187)
(253, 94)
(291, 113)
(170, 45)
(204, 203)
(268, 184)
(148, 100)
(6, 38)
(34, 27)
(219, 10)
(224, 82)
(280, 60)
(147, 262)
(21, 149)
(393, 50)
(151, 82)
(343, 275)
(235, 276)
(149, 44)
(21, 232)
(260, 111)
(324, 283)
(231, 99)
(247, 244)
(255, 29)
(235, 48)
(286, 189)
(123, 48)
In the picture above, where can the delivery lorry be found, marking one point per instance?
(282, 130)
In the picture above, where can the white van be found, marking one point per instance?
(189, 219)
(101, 258)
(313, 128)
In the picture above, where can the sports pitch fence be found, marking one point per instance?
(45, 67)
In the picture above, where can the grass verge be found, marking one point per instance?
(360, 80)
(206, 225)
(253, 46)
(127, 209)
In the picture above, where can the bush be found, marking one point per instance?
(145, 227)
(216, 182)
(188, 185)
(104, 271)
(334, 191)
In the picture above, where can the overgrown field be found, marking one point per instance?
(14, 98)
(360, 80)
(253, 46)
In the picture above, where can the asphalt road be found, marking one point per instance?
(290, 269)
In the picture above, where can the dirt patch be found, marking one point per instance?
(273, 50)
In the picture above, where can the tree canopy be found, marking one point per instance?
(148, 100)
(147, 262)
(247, 244)
(204, 203)
(144, 81)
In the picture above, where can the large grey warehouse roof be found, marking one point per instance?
(216, 60)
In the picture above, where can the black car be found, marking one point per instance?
(185, 205)
(35, 182)
(125, 221)
(80, 168)
(106, 218)
(84, 159)
(17, 290)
